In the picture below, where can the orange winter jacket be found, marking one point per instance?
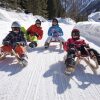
(34, 29)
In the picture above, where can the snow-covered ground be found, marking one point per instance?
(43, 78)
(95, 17)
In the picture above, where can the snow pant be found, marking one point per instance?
(70, 58)
(32, 38)
(50, 38)
(71, 54)
(20, 50)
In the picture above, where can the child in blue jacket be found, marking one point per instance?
(55, 33)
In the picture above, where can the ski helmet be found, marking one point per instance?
(75, 33)
(15, 24)
(55, 20)
(38, 22)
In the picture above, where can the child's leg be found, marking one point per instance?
(47, 42)
(70, 59)
(6, 49)
(61, 39)
(20, 50)
(33, 41)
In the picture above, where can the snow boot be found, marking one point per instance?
(2, 56)
(70, 60)
(70, 65)
(23, 60)
(46, 45)
(33, 44)
(69, 70)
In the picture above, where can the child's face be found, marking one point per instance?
(15, 29)
(54, 23)
(38, 24)
(75, 36)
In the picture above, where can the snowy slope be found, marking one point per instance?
(43, 78)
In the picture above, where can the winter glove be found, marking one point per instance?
(35, 34)
(55, 34)
(21, 43)
(87, 46)
(84, 46)
(6, 43)
(72, 45)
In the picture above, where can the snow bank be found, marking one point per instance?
(94, 17)
(67, 21)
(12, 15)
(90, 30)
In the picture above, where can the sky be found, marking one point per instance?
(44, 76)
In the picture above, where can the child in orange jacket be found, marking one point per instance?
(34, 33)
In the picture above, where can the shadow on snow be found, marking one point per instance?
(52, 48)
(10, 65)
(63, 81)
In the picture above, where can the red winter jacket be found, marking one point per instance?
(78, 43)
(34, 29)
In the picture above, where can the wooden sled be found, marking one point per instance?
(90, 59)
(58, 41)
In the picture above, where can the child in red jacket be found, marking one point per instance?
(74, 44)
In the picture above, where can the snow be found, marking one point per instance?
(90, 30)
(43, 78)
(94, 17)
(66, 21)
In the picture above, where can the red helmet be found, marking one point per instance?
(75, 33)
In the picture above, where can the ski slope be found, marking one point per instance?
(43, 78)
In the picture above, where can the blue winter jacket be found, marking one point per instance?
(55, 31)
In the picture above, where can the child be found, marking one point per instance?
(54, 32)
(74, 44)
(14, 41)
(34, 33)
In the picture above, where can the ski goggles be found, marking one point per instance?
(75, 34)
(38, 23)
(15, 28)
